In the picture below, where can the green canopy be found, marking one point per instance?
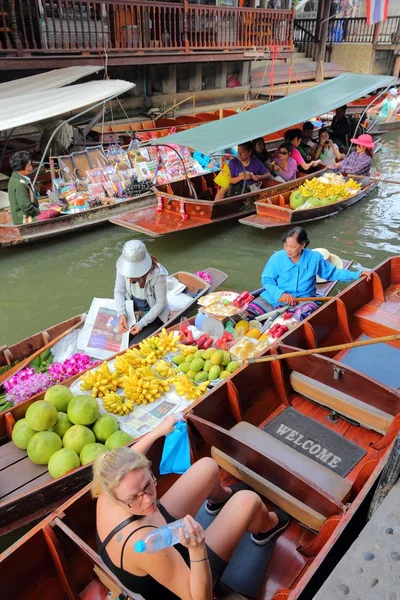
(283, 113)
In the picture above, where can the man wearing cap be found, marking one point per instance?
(385, 111)
(142, 279)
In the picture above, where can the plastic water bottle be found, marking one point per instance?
(161, 538)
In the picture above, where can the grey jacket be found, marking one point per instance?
(156, 295)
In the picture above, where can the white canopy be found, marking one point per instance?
(45, 81)
(31, 108)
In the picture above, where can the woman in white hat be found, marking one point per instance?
(386, 110)
(141, 278)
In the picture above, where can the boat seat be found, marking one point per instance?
(327, 481)
(368, 416)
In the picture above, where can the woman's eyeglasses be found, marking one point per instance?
(283, 153)
(136, 499)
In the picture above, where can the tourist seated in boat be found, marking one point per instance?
(385, 111)
(247, 163)
(21, 194)
(291, 273)
(326, 150)
(340, 127)
(260, 151)
(284, 167)
(358, 162)
(128, 510)
(141, 278)
(294, 136)
(307, 140)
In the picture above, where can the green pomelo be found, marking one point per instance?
(208, 353)
(225, 374)
(207, 366)
(83, 410)
(199, 353)
(196, 365)
(178, 359)
(90, 452)
(214, 372)
(62, 425)
(314, 201)
(226, 359)
(296, 199)
(184, 367)
(325, 201)
(42, 446)
(104, 427)
(21, 434)
(201, 377)
(235, 364)
(191, 374)
(118, 439)
(62, 462)
(217, 357)
(41, 415)
(333, 199)
(59, 396)
(77, 437)
(189, 358)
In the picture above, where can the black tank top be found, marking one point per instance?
(145, 585)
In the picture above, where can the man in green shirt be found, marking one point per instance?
(21, 195)
(385, 111)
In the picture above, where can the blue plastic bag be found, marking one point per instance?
(176, 452)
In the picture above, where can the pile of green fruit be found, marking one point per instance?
(204, 365)
(65, 431)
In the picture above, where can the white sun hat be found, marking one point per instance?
(134, 261)
(325, 253)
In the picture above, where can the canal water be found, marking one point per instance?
(42, 284)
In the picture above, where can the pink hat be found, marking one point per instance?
(364, 140)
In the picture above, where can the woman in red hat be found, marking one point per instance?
(358, 162)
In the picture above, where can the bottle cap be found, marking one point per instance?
(140, 546)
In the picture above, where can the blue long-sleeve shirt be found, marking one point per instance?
(282, 276)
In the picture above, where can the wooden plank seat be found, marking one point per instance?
(367, 415)
(305, 489)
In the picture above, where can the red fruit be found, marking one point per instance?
(207, 343)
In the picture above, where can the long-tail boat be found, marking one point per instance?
(29, 492)
(343, 410)
(275, 210)
(378, 128)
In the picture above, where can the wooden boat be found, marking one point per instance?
(28, 492)
(377, 128)
(58, 558)
(274, 210)
(178, 210)
(11, 234)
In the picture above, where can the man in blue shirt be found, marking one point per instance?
(291, 273)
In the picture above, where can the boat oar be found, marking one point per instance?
(337, 348)
(378, 179)
(315, 299)
(24, 363)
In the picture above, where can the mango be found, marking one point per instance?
(189, 358)
(233, 366)
(208, 353)
(226, 359)
(214, 372)
(178, 359)
(201, 377)
(191, 374)
(199, 353)
(216, 357)
(207, 366)
(243, 326)
(253, 333)
(184, 367)
(197, 365)
(225, 374)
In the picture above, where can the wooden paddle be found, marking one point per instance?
(316, 299)
(380, 340)
(378, 179)
(24, 363)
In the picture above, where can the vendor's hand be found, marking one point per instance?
(277, 168)
(366, 274)
(257, 177)
(196, 536)
(249, 175)
(288, 299)
(135, 330)
(122, 324)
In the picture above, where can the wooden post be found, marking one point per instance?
(319, 76)
(375, 38)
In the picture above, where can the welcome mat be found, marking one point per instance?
(379, 361)
(312, 439)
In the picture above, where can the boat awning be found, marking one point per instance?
(31, 108)
(281, 114)
(45, 81)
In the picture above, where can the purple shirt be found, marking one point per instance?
(255, 167)
(291, 169)
(356, 164)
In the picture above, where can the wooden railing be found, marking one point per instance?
(304, 36)
(51, 26)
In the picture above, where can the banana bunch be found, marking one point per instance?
(101, 381)
(164, 370)
(186, 350)
(118, 405)
(155, 347)
(185, 387)
(142, 386)
(130, 358)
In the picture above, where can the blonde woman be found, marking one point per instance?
(128, 509)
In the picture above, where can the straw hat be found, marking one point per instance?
(134, 261)
(333, 259)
